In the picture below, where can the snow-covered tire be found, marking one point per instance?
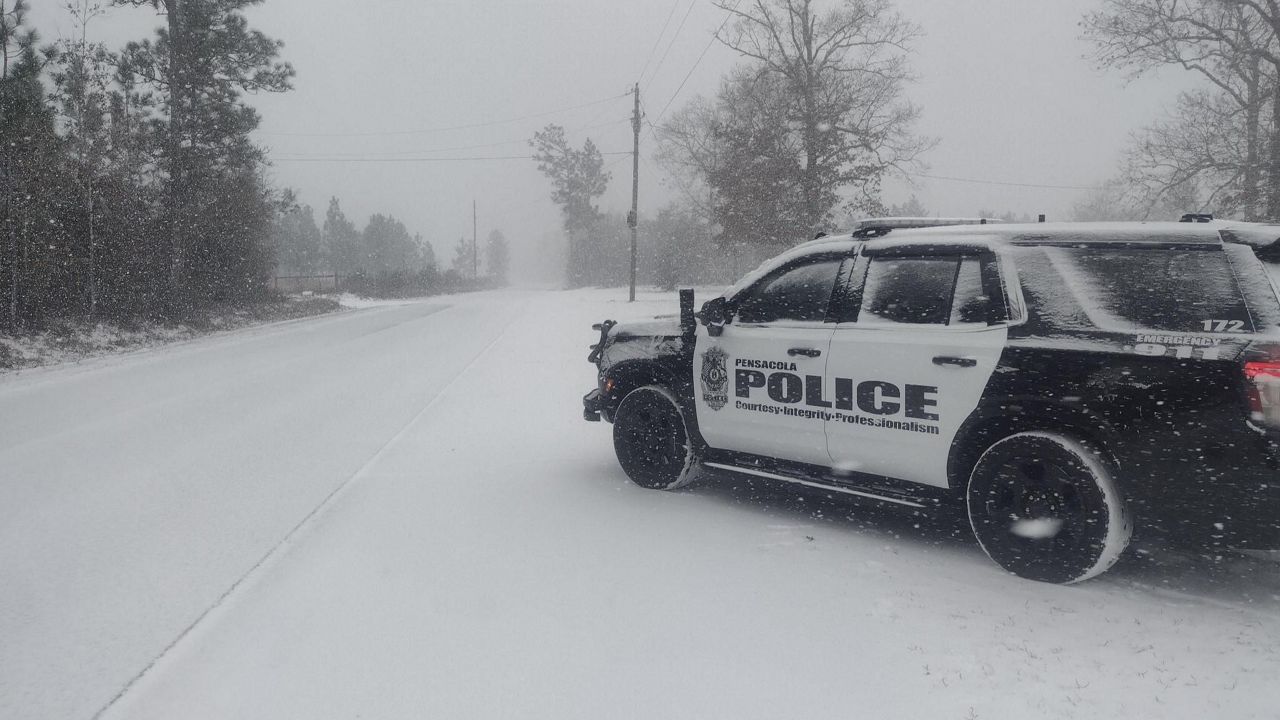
(651, 439)
(1047, 507)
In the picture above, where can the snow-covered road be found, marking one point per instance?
(398, 513)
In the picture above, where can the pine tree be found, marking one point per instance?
(340, 240)
(911, 208)
(200, 64)
(31, 177)
(388, 247)
(298, 243)
(578, 179)
(463, 259)
(497, 257)
(427, 252)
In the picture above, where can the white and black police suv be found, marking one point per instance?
(1066, 383)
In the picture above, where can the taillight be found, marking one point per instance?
(1264, 391)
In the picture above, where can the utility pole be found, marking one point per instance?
(475, 255)
(634, 219)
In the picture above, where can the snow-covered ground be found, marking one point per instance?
(397, 512)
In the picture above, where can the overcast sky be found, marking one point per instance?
(1004, 85)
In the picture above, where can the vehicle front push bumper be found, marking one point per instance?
(592, 406)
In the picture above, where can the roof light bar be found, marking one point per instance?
(875, 227)
(1196, 218)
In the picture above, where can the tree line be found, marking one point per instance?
(130, 187)
(384, 258)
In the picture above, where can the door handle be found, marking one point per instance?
(807, 352)
(952, 360)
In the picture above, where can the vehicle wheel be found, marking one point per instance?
(1047, 507)
(652, 440)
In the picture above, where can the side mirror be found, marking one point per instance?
(715, 314)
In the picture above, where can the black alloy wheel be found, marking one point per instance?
(1047, 507)
(652, 441)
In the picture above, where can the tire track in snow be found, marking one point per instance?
(286, 542)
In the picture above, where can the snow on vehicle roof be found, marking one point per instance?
(1262, 237)
(918, 222)
(1090, 232)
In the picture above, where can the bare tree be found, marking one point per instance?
(1216, 138)
(1120, 199)
(1196, 156)
(843, 72)
(688, 149)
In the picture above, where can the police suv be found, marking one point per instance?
(1065, 383)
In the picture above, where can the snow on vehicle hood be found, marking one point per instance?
(661, 326)
(645, 339)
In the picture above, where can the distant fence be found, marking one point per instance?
(303, 283)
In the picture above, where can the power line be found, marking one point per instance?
(675, 35)
(613, 164)
(597, 126)
(977, 181)
(696, 63)
(649, 165)
(596, 116)
(644, 118)
(402, 153)
(397, 160)
(424, 131)
(658, 40)
(653, 130)
(426, 159)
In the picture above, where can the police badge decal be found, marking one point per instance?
(715, 378)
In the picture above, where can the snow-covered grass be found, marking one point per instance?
(351, 300)
(399, 513)
(68, 341)
(75, 340)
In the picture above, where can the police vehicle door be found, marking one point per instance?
(750, 389)
(916, 342)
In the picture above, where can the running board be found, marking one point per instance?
(812, 484)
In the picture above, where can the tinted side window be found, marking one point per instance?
(909, 290)
(800, 293)
(1155, 289)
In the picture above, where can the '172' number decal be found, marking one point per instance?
(1223, 325)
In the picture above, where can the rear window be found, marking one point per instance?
(1131, 290)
